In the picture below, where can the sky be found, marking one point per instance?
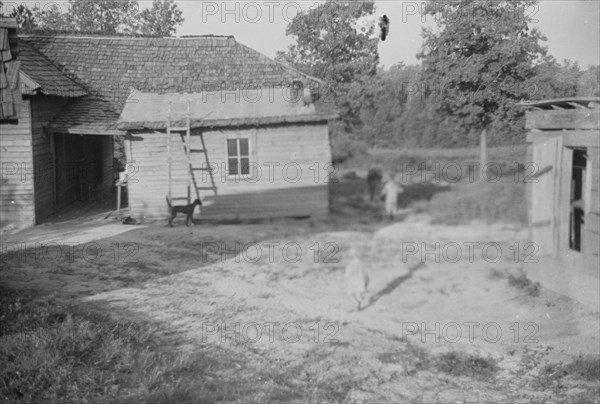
(572, 27)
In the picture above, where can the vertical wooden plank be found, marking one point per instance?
(564, 203)
(169, 149)
(556, 193)
(543, 195)
(189, 160)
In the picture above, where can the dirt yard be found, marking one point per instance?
(449, 317)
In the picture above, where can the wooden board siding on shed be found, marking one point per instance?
(294, 151)
(591, 229)
(43, 110)
(16, 183)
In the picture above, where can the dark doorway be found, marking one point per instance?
(576, 219)
(78, 168)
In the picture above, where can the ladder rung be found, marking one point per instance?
(201, 168)
(197, 151)
(178, 129)
(180, 198)
(206, 188)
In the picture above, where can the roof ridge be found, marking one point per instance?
(282, 65)
(96, 35)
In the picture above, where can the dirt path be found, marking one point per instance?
(426, 300)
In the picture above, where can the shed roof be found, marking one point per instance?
(259, 106)
(110, 66)
(563, 103)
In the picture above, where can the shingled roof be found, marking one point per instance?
(38, 74)
(110, 67)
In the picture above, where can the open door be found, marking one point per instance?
(547, 155)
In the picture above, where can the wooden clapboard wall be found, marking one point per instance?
(17, 183)
(43, 110)
(266, 193)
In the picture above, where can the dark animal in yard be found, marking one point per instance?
(129, 220)
(373, 181)
(187, 210)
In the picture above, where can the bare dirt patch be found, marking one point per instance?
(257, 312)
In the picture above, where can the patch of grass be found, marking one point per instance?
(55, 352)
(498, 202)
(586, 367)
(498, 199)
(457, 363)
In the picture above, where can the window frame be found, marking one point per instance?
(239, 156)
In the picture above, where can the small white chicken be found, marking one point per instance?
(357, 278)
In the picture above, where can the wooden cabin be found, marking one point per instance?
(258, 154)
(564, 201)
(75, 88)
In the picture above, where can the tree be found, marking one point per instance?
(476, 66)
(589, 82)
(328, 46)
(108, 16)
(161, 19)
(553, 80)
(26, 19)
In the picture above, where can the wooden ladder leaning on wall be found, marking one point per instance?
(185, 134)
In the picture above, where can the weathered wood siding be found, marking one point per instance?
(290, 168)
(43, 110)
(555, 135)
(17, 180)
(591, 230)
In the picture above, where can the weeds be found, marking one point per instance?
(458, 363)
(55, 352)
(524, 283)
(454, 363)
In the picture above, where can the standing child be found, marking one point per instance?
(391, 189)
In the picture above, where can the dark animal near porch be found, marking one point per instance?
(187, 210)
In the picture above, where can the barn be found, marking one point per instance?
(247, 116)
(564, 202)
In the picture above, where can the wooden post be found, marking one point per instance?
(483, 152)
(169, 150)
(187, 145)
(118, 197)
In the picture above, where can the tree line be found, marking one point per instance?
(102, 16)
(481, 59)
(477, 63)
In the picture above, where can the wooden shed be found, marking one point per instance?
(564, 201)
(258, 154)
